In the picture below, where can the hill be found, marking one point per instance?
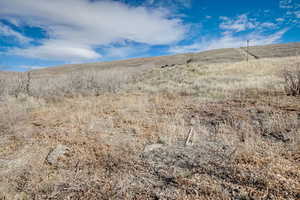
(207, 57)
(208, 125)
(101, 77)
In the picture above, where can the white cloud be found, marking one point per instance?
(59, 50)
(297, 13)
(285, 4)
(292, 13)
(167, 3)
(241, 23)
(280, 19)
(185, 3)
(267, 25)
(125, 51)
(230, 41)
(7, 31)
(76, 27)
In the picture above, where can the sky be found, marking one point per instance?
(43, 33)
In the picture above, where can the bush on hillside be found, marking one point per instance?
(85, 82)
(292, 82)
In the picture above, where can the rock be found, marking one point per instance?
(152, 147)
(164, 139)
(57, 153)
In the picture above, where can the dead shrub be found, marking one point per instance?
(88, 82)
(2, 86)
(76, 83)
(292, 82)
(15, 85)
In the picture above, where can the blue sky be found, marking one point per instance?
(42, 33)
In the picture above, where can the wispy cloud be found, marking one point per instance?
(241, 23)
(58, 50)
(280, 19)
(9, 32)
(292, 13)
(167, 3)
(285, 4)
(229, 41)
(76, 27)
(125, 51)
(235, 32)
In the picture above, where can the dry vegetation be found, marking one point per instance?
(292, 80)
(213, 82)
(84, 82)
(126, 135)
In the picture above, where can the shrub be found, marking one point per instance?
(85, 82)
(292, 82)
(2, 86)
(15, 85)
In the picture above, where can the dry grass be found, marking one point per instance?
(277, 50)
(245, 142)
(107, 135)
(216, 81)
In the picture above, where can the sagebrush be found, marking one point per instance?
(292, 82)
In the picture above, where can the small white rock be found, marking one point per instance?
(152, 147)
(57, 153)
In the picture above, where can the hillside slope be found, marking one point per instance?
(212, 128)
(207, 57)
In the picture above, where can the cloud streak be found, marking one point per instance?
(166, 3)
(292, 13)
(9, 32)
(229, 41)
(58, 50)
(236, 32)
(242, 23)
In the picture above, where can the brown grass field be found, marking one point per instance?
(216, 127)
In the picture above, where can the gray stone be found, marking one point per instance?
(164, 139)
(57, 153)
